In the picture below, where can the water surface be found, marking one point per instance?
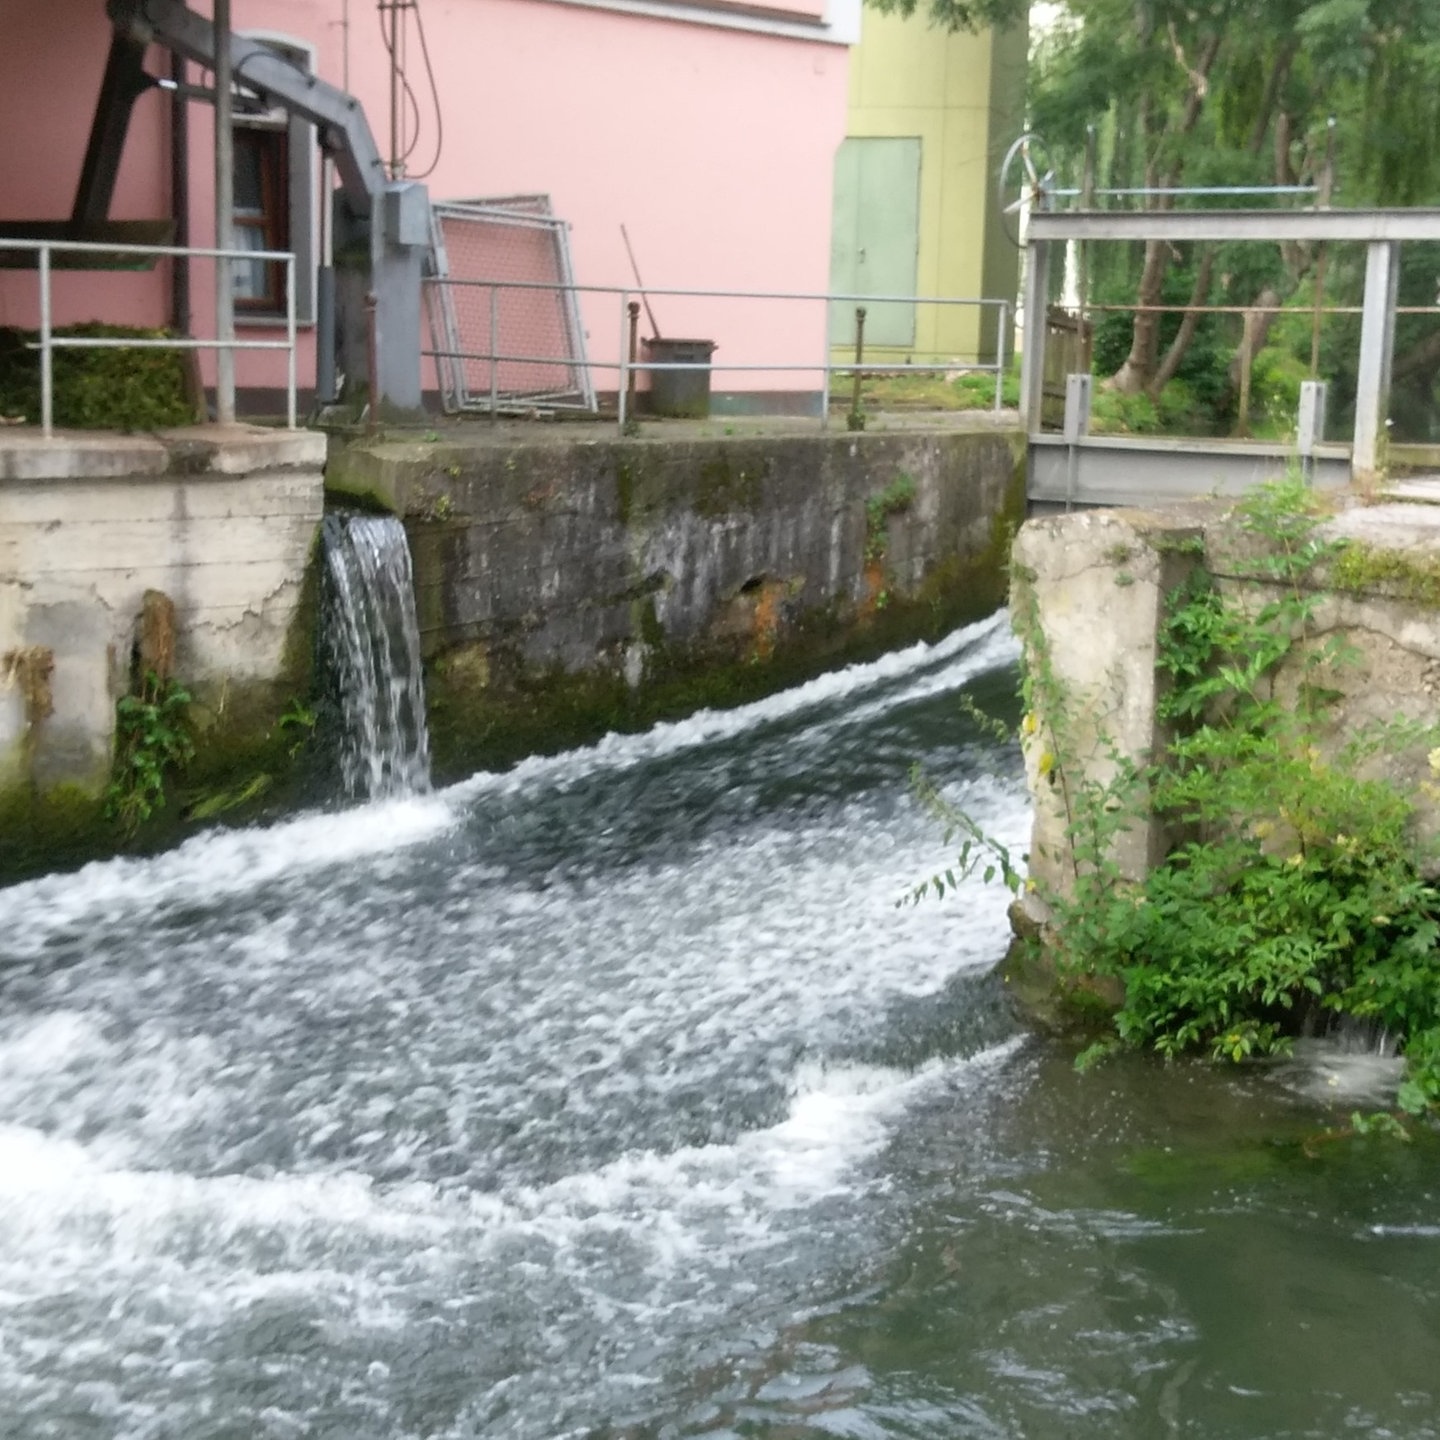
(614, 1096)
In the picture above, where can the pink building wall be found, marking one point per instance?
(714, 146)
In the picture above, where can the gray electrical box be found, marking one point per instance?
(407, 214)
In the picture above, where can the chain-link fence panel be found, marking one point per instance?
(504, 322)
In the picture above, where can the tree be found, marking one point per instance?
(1229, 92)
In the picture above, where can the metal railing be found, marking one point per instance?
(626, 365)
(49, 342)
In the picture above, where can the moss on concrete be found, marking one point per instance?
(246, 766)
(488, 716)
(1362, 569)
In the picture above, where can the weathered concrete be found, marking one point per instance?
(1091, 586)
(565, 588)
(222, 522)
(1088, 594)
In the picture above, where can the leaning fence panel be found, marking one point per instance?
(502, 287)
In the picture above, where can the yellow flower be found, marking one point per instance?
(1047, 763)
(1029, 725)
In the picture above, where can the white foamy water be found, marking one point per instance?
(481, 1113)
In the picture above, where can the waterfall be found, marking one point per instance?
(372, 645)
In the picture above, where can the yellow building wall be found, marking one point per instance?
(963, 96)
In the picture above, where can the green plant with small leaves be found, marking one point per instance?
(297, 724)
(1293, 885)
(152, 742)
(894, 499)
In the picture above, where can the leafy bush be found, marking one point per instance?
(1298, 888)
(108, 389)
(1293, 886)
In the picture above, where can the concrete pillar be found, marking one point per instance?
(1377, 347)
(1088, 596)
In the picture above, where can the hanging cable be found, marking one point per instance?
(434, 95)
(409, 128)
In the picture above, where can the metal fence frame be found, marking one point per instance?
(519, 212)
(625, 365)
(49, 342)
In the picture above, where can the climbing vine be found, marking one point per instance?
(1292, 885)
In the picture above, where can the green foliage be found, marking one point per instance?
(1229, 93)
(109, 389)
(979, 854)
(152, 740)
(1293, 886)
(297, 724)
(894, 499)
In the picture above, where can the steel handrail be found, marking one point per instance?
(625, 366)
(49, 342)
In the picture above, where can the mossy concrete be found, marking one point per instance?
(223, 524)
(567, 588)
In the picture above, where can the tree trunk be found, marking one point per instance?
(1139, 367)
(1258, 323)
(1175, 355)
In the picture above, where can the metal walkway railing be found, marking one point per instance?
(489, 351)
(49, 342)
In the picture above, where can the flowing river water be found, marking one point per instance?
(614, 1096)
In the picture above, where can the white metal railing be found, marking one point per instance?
(49, 342)
(626, 365)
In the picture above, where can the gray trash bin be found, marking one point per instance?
(681, 393)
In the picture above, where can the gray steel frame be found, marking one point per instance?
(1382, 231)
(449, 348)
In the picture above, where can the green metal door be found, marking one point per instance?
(875, 241)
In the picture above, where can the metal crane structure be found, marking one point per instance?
(382, 226)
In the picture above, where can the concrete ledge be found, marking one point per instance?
(25, 454)
(198, 450)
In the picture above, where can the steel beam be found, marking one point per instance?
(1377, 346)
(1032, 354)
(1178, 226)
(224, 221)
(1159, 470)
(344, 130)
(124, 82)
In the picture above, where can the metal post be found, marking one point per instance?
(1377, 344)
(290, 341)
(624, 374)
(1247, 342)
(494, 356)
(825, 374)
(47, 353)
(1000, 355)
(180, 196)
(856, 418)
(634, 350)
(224, 219)
(372, 364)
(1032, 356)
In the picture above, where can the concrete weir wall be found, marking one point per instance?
(566, 587)
(1095, 583)
(221, 522)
